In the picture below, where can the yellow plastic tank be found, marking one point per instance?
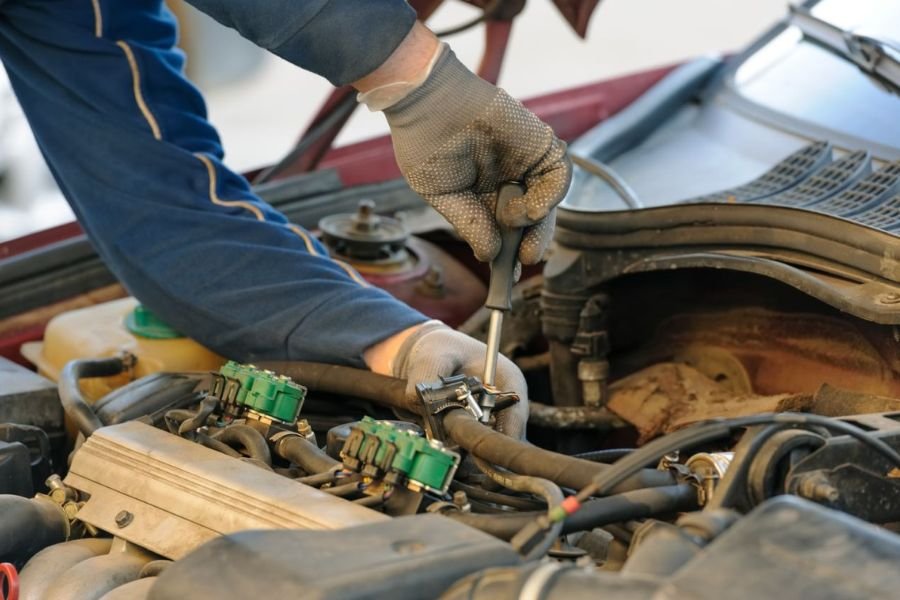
(109, 329)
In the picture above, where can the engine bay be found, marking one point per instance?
(712, 357)
(728, 431)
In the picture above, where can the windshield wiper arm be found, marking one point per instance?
(877, 58)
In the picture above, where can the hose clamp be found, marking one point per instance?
(458, 391)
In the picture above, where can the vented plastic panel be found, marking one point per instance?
(825, 182)
(865, 194)
(884, 216)
(786, 174)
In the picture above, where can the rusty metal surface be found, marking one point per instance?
(786, 352)
(668, 396)
(830, 401)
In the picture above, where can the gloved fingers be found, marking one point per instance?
(513, 420)
(546, 185)
(437, 352)
(537, 239)
(548, 181)
(473, 221)
(430, 375)
(516, 146)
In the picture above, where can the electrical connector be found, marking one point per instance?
(381, 451)
(271, 395)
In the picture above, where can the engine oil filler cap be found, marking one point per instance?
(143, 323)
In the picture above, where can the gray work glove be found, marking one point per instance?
(457, 138)
(436, 351)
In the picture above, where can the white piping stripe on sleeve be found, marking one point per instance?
(310, 247)
(210, 168)
(352, 273)
(136, 85)
(98, 19)
(214, 197)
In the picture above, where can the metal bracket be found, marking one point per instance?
(459, 391)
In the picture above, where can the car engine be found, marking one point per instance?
(712, 354)
(681, 445)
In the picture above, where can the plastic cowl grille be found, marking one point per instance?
(826, 182)
(884, 216)
(785, 175)
(869, 193)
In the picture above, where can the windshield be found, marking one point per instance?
(801, 80)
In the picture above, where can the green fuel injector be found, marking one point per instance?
(264, 392)
(381, 451)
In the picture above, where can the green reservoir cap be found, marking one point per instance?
(143, 323)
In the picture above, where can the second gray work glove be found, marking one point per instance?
(436, 351)
(457, 138)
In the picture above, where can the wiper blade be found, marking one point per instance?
(877, 58)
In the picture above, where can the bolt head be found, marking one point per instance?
(124, 519)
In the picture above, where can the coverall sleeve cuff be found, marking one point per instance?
(349, 329)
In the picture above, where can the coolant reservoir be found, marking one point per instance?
(109, 329)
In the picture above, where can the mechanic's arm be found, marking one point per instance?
(127, 139)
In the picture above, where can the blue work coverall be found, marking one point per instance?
(126, 137)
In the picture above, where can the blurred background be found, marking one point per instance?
(261, 104)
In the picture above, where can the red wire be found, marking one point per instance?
(9, 579)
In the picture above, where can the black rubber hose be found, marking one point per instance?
(320, 478)
(485, 443)
(73, 403)
(627, 506)
(732, 488)
(244, 436)
(531, 546)
(523, 458)
(304, 454)
(155, 568)
(607, 455)
(347, 381)
(27, 526)
(213, 444)
(572, 417)
(479, 494)
(709, 431)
